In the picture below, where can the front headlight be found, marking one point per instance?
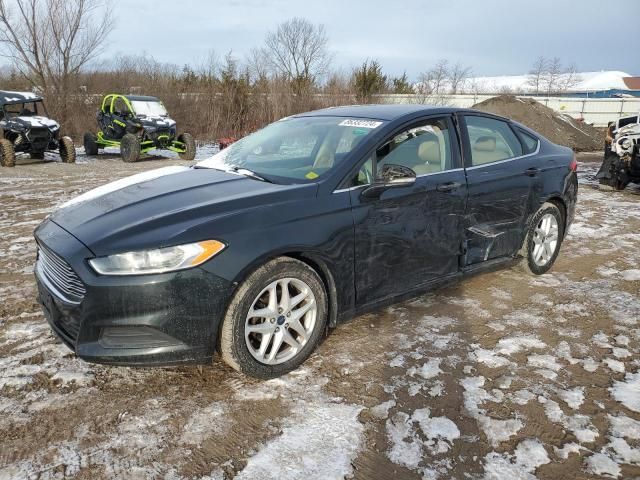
(161, 260)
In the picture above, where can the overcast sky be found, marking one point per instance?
(492, 36)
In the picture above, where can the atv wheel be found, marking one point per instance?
(7, 153)
(275, 319)
(613, 183)
(37, 156)
(67, 150)
(189, 146)
(130, 148)
(90, 145)
(543, 240)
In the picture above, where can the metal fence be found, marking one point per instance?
(597, 111)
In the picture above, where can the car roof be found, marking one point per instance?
(8, 97)
(141, 98)
(380, 112)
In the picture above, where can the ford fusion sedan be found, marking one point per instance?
(312, 220)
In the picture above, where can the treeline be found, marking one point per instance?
(55, 46)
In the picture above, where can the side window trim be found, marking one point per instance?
(454, 141)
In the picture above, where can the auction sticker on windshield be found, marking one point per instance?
(360, 123)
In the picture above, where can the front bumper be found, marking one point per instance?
(145, 320)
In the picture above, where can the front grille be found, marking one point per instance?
(39, 138)
(60, 275)
(161, 136)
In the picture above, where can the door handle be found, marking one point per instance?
(448, 187)
(532, 172)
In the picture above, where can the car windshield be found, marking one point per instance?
(21, 109)
(298, 150)
(149, 108)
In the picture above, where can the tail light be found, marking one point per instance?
(573, 166)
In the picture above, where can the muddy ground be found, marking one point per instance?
(504, 375)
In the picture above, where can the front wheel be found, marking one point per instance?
(130, 148)
(7, 153)
(275, 320)
(543, 240)
(189, 146)
(67, 150)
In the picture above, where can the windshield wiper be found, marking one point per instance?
(249, 173)
(238, 170)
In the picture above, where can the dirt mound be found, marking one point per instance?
(557, 127)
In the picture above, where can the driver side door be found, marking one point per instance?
(410, 236)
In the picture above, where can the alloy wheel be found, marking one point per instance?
(280, 321)
(545, 240)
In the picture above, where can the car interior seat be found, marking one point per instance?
(484, 150)
(430, 155)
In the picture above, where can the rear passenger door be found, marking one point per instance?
(500, 179)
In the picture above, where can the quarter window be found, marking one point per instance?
(530, 142)
(491, 140)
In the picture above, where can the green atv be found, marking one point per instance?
(137, 124)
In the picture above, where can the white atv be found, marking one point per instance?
(26, 128)
(622, 166)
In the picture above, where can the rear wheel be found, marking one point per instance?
(7, 153)
(130, 148)
(275, 319)
(189, 146)
(67, 150)
(90, 144)
(543, 240)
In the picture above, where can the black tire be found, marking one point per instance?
(232, 344)
(528, 262)
(67, 150)
(189, 146)
(90, 145)
(130, 148)
(7, 153)
(37, 156)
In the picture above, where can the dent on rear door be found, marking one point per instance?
(499, 200)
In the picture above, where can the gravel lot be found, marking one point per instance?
(501, 376)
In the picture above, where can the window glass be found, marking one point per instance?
(365, 174)
(491, 140)
(425, 148)
(149, 108)
(21, 109)
(530, 142)
(297, 149)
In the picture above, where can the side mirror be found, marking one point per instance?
(391, 176)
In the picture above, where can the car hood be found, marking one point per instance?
(27, 122)
(155, 121)
(168, 206)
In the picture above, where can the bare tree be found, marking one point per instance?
(537, 73)
(457, 77)
(569, 79)
(49, 41)
(434, 80)
(552, 76)
(298, 50)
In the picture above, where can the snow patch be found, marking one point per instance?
(528, 456)
(602, 464)
(628, 391)
(319, 440)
